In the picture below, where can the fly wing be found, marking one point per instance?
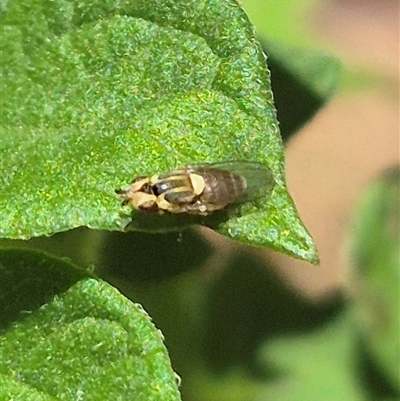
(259, 178)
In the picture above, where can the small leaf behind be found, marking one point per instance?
(88, 342)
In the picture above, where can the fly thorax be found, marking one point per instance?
(223, 188)
(198, 183)
(144, 201)
(175, 188)
(140, 184)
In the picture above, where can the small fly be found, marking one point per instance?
(199, 189)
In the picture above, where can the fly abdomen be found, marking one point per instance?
(222, 187)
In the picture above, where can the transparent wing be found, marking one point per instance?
(258, 177)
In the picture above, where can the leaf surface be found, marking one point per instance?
(96, 93)
(83, 342)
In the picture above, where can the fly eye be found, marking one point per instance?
(146, 188)
(141, 184)
(156, 190)
(159, 189)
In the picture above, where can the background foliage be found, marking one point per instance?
(99, 92)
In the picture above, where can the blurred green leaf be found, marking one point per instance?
(375, 254)
(88, 342)
(285, 21)
(314, 70)
(313, 366)
(95, 93)
(302, 82)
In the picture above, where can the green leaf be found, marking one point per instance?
(375, 253)
(95, 93)
(314, 366)
(30, 279)
(302, 81)
(315, 70)
(284, 21)
(86, 341)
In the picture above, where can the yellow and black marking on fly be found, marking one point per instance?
(199, 189)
